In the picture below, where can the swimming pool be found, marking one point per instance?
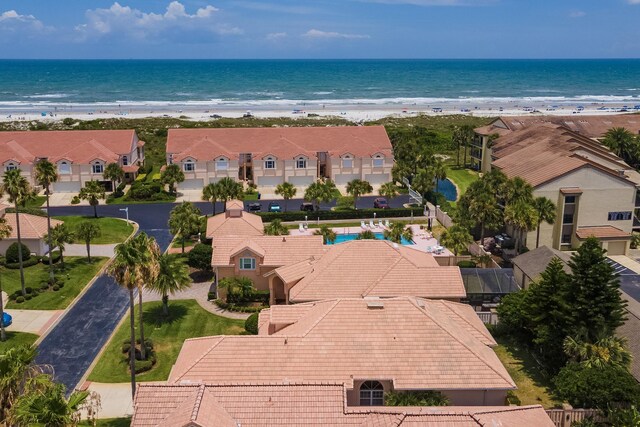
(340, 238)
(446, 187)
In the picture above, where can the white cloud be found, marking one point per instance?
(16, 26)
(578, 14)
(276, 36)
(318, 34)
(174, 23)
(633, 1)
(12, 18)
(438, 2)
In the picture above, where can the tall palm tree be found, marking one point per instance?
(466, 136)
(439, 172)
(184, 221)
(313, 193)
(483, 208)
(356, 188)
(16, 368)
(125, 272)
(147, 272)
(328, 235)
(114, 173)
(323, 190)
(275, 228)
(92, 191)
(398, 231)
(5, 231)
(171, 176)
(172, 277)
(523, 217)
(546, 211)
(19, 190)
(211, 193)
(518, 190)
(456, 238)
(60, 235)
(45, 175)
(287, 190)
(88, 231)
(388, 190)
(230, 190)
(622, 143)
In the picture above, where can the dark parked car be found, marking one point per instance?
(275, 207)
(254, 207)
(306, 207)
(380, 203)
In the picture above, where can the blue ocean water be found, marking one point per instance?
(301, 82)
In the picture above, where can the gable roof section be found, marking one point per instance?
(274, 250)
(78, 146)
(601, 232)
(416, 347)
(247, 224)
(284, 143)
(379, 268)
(309, 404)
(535, 261)
(31, 226)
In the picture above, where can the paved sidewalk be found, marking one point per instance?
(96, 250)
(115, 399)
(33, 321)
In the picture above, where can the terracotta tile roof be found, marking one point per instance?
(416, 346)
(77, 146)
(293, 272)
(601, 232)
(308, 404)
(373, 268)
(234, 204)
(31, 226)
(274, 250)
(131, 168)
(284, 143)
(247, 224)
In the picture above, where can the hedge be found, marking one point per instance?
(330, 215)
(232, 307)
(30, 211)
(12, 254)
(28, 263)
(251, 324)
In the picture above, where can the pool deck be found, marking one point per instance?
(422, 239)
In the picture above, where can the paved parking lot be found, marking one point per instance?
(629, 276)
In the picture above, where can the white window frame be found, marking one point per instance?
(188, 166)
(97, 168)
(270, 164)
(378, 162)
(63, 172)
(11, 166)
(371, 396)
(347, 162)
(251, 263)
(301, 161)
(222, 164)
(125, 160)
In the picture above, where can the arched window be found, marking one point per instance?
(64, 168)
(11, 166)
(301, 163)
(189, 166)
(222, 164)
(378, 161)
(371, 394)
(269, 163)
(97, 167)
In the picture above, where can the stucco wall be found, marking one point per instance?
(36, 246)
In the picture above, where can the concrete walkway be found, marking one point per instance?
(33, 321)
(115, 399)
(96, 250)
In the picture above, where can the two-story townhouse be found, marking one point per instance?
(79, 155)
(270, 156)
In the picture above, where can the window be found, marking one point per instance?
(567, 219)
(269, 164)
(64, 168)
(347, 162)
(189, 166)
(11, 166)
(569, 199)
(301, 163)
(97, 167)
(619, 216)
(566, 239)
(378, 162)
(247, 263)
(125, 160)
(371, 394)
(222, 164)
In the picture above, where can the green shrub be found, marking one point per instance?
(147, 191)
(55, 257)
(211, 296)
(200, 257)
(513, 399)
(121, 186)
(28, 263)
(27, 297)
(143, 365)
(240, 309)
(28, 289)
(75, 200)
(12, 253)
(30, 211)
(635, 240)
(55, 288)
(415, 398)
(467, 264)
(344, 203)
(331, 215)
(141, 177)
(251, 324)
(20, 299)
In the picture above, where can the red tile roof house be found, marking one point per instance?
(308, 404)
(372, 346)
(80, 155)
(33, 230)
(271, 156)
(365, 268)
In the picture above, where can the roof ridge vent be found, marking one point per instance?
(375, 304)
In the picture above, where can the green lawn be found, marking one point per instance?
(15, 339)
(186, 320)
(76, 271)
(109, 422)
(113, 230)
(461, 177)
(533, 387)
(37, 202)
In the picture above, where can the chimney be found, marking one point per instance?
(284, 239)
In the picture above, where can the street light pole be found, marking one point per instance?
(126, 211)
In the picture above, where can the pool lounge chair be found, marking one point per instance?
(387, 223)
(301, 228)
(363, 225)
(371, 224)
(380, 225)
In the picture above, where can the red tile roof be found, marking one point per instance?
(31, 226)
(284, 143)
(77, 146)
(275, 250)
(305, 404)
(602, 232)
(416, 343)
(247, 224)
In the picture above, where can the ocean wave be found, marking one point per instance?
(47, 96)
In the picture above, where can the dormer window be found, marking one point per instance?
(371, 394)
(301, 163)
(97, 168)
(64, 168)
(347, 162)
(269, 163)
(378, 161)
(247, 263)
(222, 164)
(125, 160)
(189, 166)
(11, 166)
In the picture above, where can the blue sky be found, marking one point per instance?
(319, 29)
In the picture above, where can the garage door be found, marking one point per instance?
(66, 187)
(302, 181)
(377, 178)
(345, 178)
(191, 184)
(616, 248)
(269, 181)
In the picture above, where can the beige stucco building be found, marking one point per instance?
(270, 156)
(33, 230)
(79, 155)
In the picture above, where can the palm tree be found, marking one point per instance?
(483, 209)
(328, 235)
(439, 172)
(388, 190)
(287, 190)
(321, 191)
(457, 139)
(622, 143)
(184, 221)
(366, 235)
(456, 238)
(275, 228)
(45, 175)
(523, 217)
(423, 181)
(466, 136)
(147, 272)
(60, 235)
(16, 368)
(125, 272)
(211, 193)
(19, 190)
(356, 188)
(546, 211)
(114, 173)
(239, 289)
(607, 351)
(398, 231)
(88, 231)
(230, 190)
(172, 277)
(5, 231)
(518, 190)
(171, 175)
(92, 191)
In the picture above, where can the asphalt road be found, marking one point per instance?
(76, 340)
(629, 280)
